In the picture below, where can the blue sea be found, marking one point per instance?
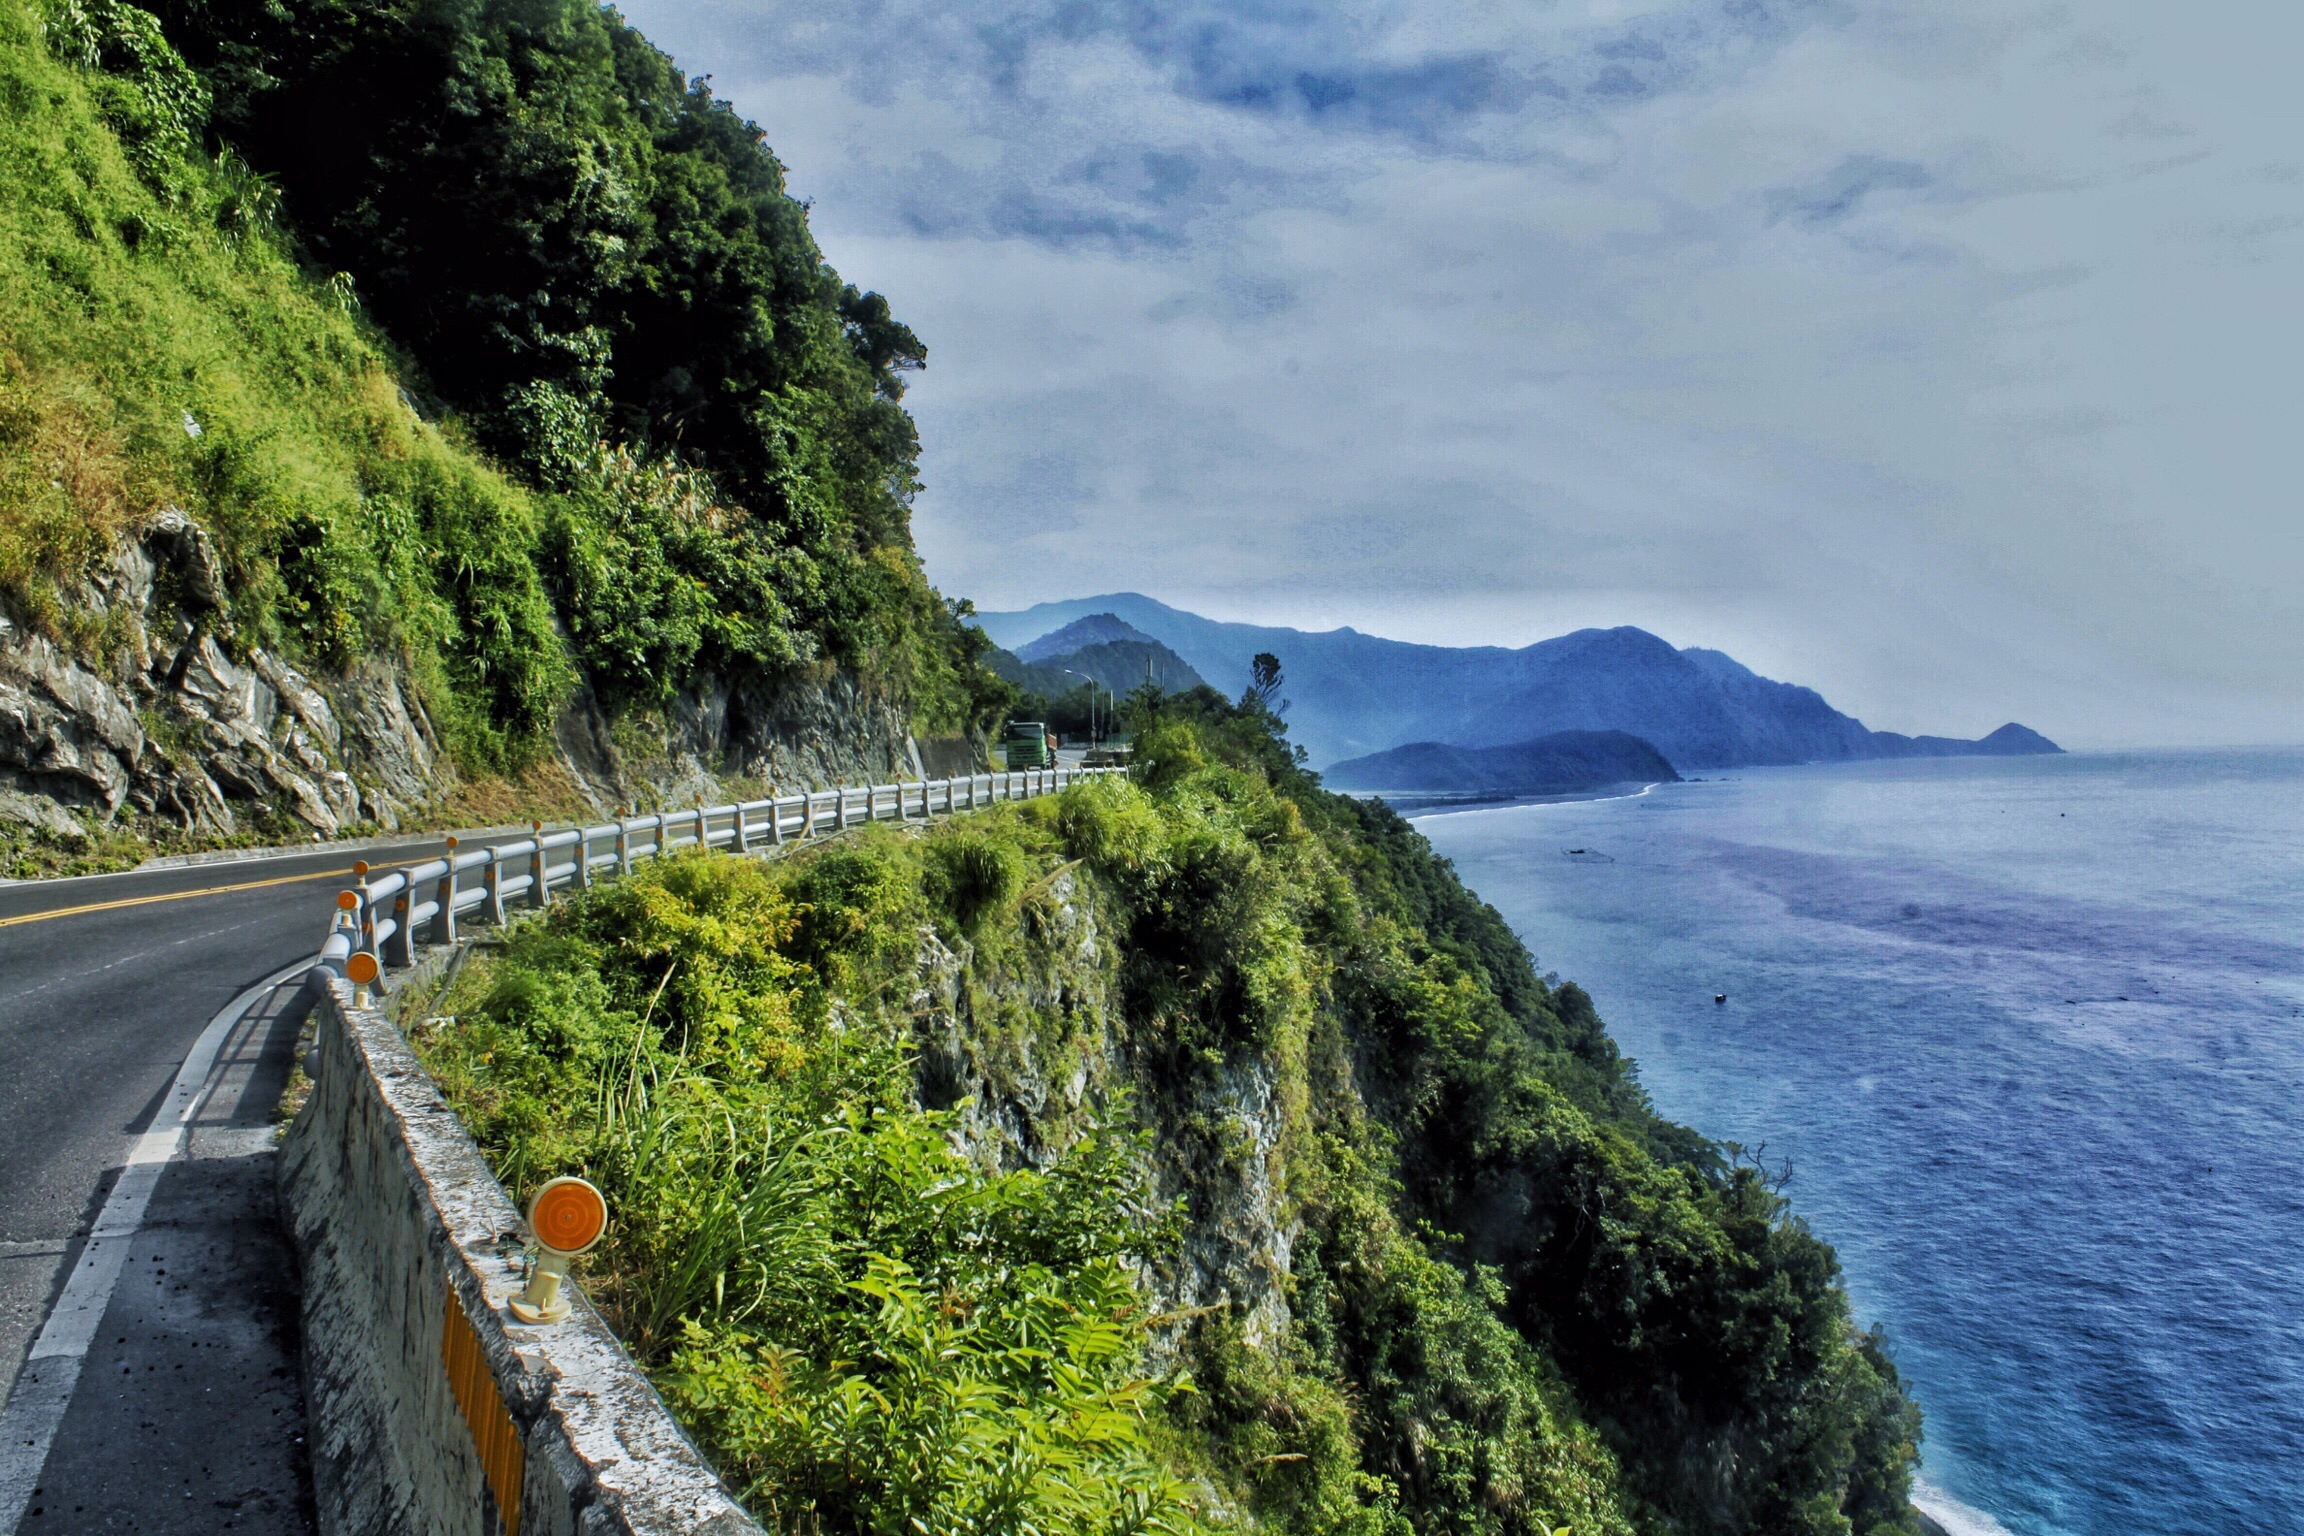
(2031, 1034)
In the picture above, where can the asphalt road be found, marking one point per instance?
(186, 1415)
(105, 985)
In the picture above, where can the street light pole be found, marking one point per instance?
(1093, 738)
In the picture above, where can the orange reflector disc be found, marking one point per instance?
(359, 869)
(361, 968)
(568, 1215)
(347, 900)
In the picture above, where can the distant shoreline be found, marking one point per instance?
(1416, 803)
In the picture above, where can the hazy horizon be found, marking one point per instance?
(1966, 728)
(1932, 355)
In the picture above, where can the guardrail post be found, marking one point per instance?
(367, 909)
(775, 818)
(656, 836)
(492, 879)
(840, 808)
(539, 895)
(583, 876)
(402, 944)
(623, 845)
(743, 842)
(444, 921)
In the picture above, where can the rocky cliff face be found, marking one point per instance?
(1030, 1049)
(168, 721)
(154, 714)
(718, 740)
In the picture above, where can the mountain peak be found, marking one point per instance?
(1095, 629)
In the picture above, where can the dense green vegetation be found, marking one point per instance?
(157, 347)
(1517, 1300)
(474, 336)
(578, 246)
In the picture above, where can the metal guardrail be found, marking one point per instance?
(386, 918)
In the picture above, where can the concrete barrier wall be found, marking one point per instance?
(433, 1412)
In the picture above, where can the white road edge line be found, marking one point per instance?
(36, 1404)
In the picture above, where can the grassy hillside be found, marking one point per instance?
(709, 474)
(1515, 1299)
(595, 262)
(158, 347)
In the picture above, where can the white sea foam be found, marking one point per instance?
(1956, 1518)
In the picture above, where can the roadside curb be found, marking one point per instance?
(298, 850)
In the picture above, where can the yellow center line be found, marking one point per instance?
(206, 890)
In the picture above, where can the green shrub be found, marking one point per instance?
(972, 876)
(867, 1329)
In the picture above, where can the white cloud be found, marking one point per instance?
(1934, 354)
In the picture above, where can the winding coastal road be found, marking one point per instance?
(185, 1414)
(148, 1298)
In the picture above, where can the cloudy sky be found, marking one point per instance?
(1939, 353)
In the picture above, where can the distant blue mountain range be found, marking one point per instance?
(1353, 694)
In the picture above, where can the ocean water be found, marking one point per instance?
(2031, 1032)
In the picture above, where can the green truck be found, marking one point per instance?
(1026, 745)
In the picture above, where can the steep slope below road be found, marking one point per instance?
(1206, 1068)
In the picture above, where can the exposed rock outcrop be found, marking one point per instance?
(166, 717)
(177, 724)
(1030, 1051)
(718, 739)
